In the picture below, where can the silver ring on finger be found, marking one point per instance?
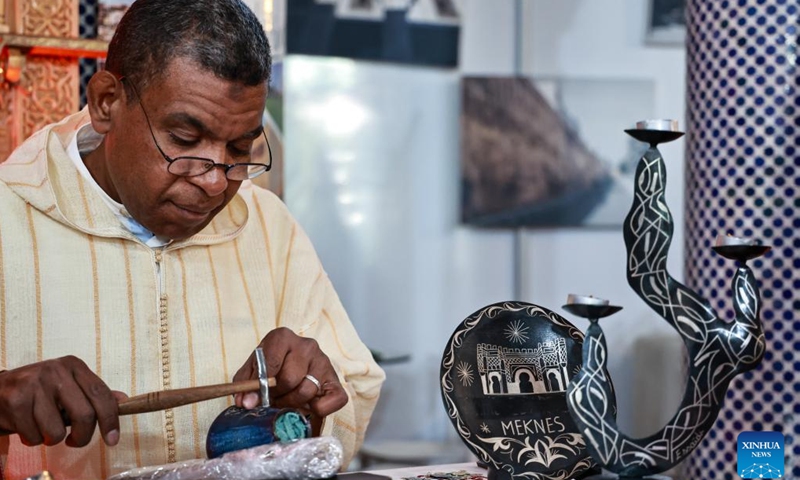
(313, 379)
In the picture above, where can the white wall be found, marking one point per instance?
(373, 175)
(604, 40)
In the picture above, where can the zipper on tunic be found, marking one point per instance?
(163, 329)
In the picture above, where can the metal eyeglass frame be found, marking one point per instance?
(211, 163)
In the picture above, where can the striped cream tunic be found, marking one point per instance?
(74, 281)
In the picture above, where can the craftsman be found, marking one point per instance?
(137, 256)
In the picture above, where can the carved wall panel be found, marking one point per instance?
(51, 18)
(8, 133)
(54, 94)
(4, 28)
(49, 89)
(9, 15)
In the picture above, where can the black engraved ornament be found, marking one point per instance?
(504, 376)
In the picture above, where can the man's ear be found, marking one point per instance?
(105, 93)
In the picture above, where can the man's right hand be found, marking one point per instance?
(35, 399)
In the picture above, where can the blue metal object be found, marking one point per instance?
(238, 428)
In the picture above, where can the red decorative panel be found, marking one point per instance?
(50, 86)
(7, 130)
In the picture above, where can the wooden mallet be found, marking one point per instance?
(157, 401)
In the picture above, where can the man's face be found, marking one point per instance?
(192, 113)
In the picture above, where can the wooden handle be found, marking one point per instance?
(155, 401)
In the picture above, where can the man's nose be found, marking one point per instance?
(213, 182)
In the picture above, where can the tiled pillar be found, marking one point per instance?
(87, 28)
(743, 177)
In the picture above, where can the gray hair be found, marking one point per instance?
(223, 36)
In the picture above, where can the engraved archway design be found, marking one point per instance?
(717, 350)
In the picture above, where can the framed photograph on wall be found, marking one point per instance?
(666, 23)
(417, 32)
(549, 152)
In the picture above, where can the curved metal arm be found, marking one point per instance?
(718, 351)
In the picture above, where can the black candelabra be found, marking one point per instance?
(717, 350)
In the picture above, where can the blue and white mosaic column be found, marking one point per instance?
(87, 28)
(743, 177)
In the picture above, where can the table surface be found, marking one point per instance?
(406, 472)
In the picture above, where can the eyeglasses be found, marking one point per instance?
(195, 166)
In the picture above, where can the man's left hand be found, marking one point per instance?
(289, 359)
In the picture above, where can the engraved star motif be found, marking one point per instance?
(516, 332)
(465, 374)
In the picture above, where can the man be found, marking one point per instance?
(135, 256)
